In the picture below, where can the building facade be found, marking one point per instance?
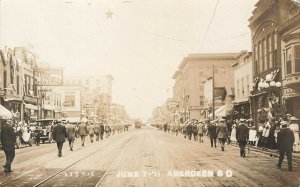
(290, 57)
(243, 85)
(266, 97)
(193, 71)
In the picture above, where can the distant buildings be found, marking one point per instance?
(193, 71)
(90, 97)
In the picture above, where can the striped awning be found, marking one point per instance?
(4, 112)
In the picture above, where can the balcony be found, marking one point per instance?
(292, 80)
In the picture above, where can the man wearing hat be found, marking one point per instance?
(222, 133)
(285, 141)
(59, 135)
(8, 140)
(212, 133)
(242, 135)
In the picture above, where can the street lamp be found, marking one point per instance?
(269, 82)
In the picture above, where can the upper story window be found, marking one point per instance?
(260, 55)
(288, 61)
(256, 59)
(265, 54)
(297, 58)
(270, 51)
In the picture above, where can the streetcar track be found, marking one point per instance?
(118, 155)
(74, 163)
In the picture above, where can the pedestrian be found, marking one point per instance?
(82, 131)
(91, 130)
(285, 141)
(212, 133)
(222, 133)
(265, 135)
(189, 129)
(271, 139)
(259, 142)
(294, 126)
(8, 140)
(195, 130)
(229, 124)
(97, 131)
(101, 130)
(71, 131)
(107, 130)
(233, 133)
(38, 133)
(59, 135)
(200, 129)
(165, 127)
(252, 135)
(242, 134)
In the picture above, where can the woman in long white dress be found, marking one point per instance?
(233, 133)
(294, 126)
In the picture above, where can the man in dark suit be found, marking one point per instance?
(285, 141)
(71, 130)
(242, 136)
(101, 130)
(212, 133)
(8, 140)
(59, 135)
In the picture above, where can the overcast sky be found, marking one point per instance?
(141, 45)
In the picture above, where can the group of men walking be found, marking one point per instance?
(62, 130)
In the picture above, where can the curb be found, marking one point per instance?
(271, 153)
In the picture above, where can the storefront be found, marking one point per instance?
(30, 109)
(242, 109)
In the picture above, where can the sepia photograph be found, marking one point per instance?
(149, 93)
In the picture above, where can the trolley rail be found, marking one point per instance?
(48, 179)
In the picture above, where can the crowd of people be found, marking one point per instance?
(280, 134)
(62, 130)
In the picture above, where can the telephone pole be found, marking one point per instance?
(213, 92)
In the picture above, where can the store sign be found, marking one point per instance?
(29, 99)
(49, 76)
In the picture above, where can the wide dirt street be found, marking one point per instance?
(145, 157)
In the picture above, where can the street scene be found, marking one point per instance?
(140, 162)
(149, 93)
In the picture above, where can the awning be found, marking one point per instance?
(5, 112)
(31, 107)
(222, 111)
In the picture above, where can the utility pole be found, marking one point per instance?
(213, 92)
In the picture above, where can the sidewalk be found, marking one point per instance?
(270, 152)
